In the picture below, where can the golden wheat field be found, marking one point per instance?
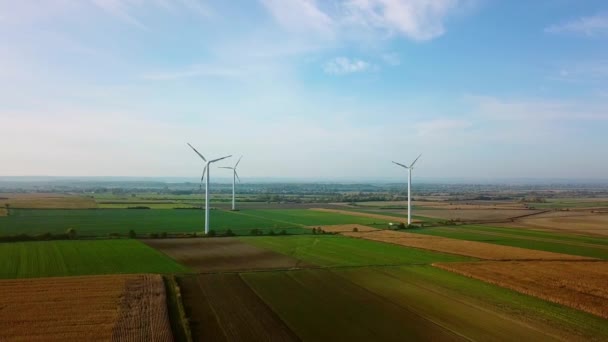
(101, 308)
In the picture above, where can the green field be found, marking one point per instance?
(345, 251)
(69, 258)
(420, 302)
(101, 222)
(545, 241)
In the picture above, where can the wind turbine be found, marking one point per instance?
(206, 170)
(235, 176)
(409, 188)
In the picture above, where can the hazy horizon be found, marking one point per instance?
(305, 89)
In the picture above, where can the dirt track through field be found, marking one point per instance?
(369, 215)
(222, 307)
(580, 285)
(117, 308)
(462, 247)
(222, 254)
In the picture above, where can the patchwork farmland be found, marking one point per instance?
(296, 274)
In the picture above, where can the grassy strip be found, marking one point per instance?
(540, 241)
(343, 251)
(177, 314)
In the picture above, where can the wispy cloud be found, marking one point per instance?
(343, 65)
(592, 26)
(195, 71)
(122, 8)
(300, 15)
(415, 19)
(537, 110)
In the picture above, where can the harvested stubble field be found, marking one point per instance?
(474, 249)
(567, 221)
(3, 212)
(222, 254)
(222, 307)
(46, 201)
(105, 308)
(580, 285)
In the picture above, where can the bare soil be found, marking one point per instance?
(222, 307)
(580, 285)
(475, 249)
(222, 254)
(118, 308)
(46, 201)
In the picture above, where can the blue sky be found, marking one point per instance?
(304, 88)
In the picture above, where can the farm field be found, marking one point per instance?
(579, 222)
(474, 249)
(222, 254)
(69, 258)
(101, 222)
(378, 216)
(475, 214)
(595, 247)
(222, 307)
(580, 285)
(421, 302)
(46, 201)
(119, 308)
(344, 251)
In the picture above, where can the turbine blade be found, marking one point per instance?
(237, 176)
(197, 152)
(203, 176)
(218, 159)
(237, 163)
(401, 165)
(415, 161)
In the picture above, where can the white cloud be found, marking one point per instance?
(300, 15)
(537, 110)
(196, 71)
(343, 65)
(415, 19)
(592, 26)
(392, 59)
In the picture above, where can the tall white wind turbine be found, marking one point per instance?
(235, 176)
(206, 170)
(409, 188)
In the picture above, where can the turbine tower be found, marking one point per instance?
(206, 170)
(235, 176)
(409, 188)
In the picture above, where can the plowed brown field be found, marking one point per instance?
(222, 307)
(3, 212)
(469, 248)
(222, 254)
(580, 285)
(118, 308)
